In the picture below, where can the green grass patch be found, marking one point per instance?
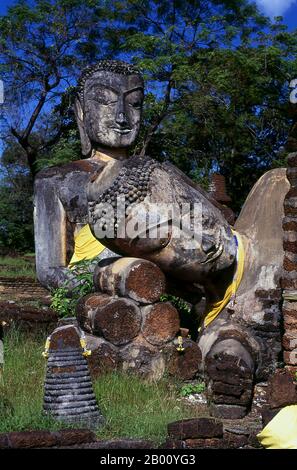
(21, 389)
(136, 408)
(133, 408)
(17, 267)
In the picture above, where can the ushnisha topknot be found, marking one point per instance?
(115, 66)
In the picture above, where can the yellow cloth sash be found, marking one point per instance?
(281, 431)
(86, 246)
(214, 309)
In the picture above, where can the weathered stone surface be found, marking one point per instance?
(160, 323)
(65, 337)
(184, 364)
(289, 265)
(27, 318)
(289, 246)
(290, 357)
(268, 414)
(118, 320)
(288, 283)
(120, 444)
(37, 439)
(4, 441)
(291, 369)
(31, 439)
(143, 359)
(105, 356)
(243, 398)
(213, 443)
(228, 411)
(282, 390)
(229, 441)
(290, 321)
(235, 441)
(227, 389)
(289, 340)
(87, 306)
(135, 278)
(223, 361)
(292, 159)
(195, 428)
(68, 393)
(290, 236)
(74, 436)
(173, 444)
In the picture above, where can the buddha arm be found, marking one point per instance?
(50, 233)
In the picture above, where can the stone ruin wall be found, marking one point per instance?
(289, 281)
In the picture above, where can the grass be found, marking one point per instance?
(21, 389)
(133, 408)
(18, 266)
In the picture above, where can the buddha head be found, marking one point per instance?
(108, 105)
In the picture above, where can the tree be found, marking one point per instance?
(43, 45)
(218, 75)
(16, 201)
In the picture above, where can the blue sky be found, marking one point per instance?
(285, 8)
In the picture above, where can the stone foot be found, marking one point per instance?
(229, 370)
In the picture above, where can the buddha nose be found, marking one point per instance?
(121, 118)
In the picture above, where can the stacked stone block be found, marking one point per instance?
(289, 281)
(128, 328)
(207, 433)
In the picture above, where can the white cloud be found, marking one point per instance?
(275, 7)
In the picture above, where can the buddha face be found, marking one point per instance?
(112, 106)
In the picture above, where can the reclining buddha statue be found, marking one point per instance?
(138, 207)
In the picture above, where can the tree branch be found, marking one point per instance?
(159, 118)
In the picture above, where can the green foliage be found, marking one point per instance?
(190, 389)
(178, 302)
(65, 298)
(219, 74)
(16, 215)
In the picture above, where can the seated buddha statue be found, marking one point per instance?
(108, 109)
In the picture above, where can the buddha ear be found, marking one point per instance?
(84, 138)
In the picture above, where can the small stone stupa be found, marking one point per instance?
(69, 395)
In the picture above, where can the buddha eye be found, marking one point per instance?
(105, 102)
(136, 105)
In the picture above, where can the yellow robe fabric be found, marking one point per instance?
(213, 310)
(281, 431)
(86, 246)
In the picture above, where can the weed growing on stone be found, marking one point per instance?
(189, 389)
(64, 298)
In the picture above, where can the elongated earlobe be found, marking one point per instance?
(85, 141)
